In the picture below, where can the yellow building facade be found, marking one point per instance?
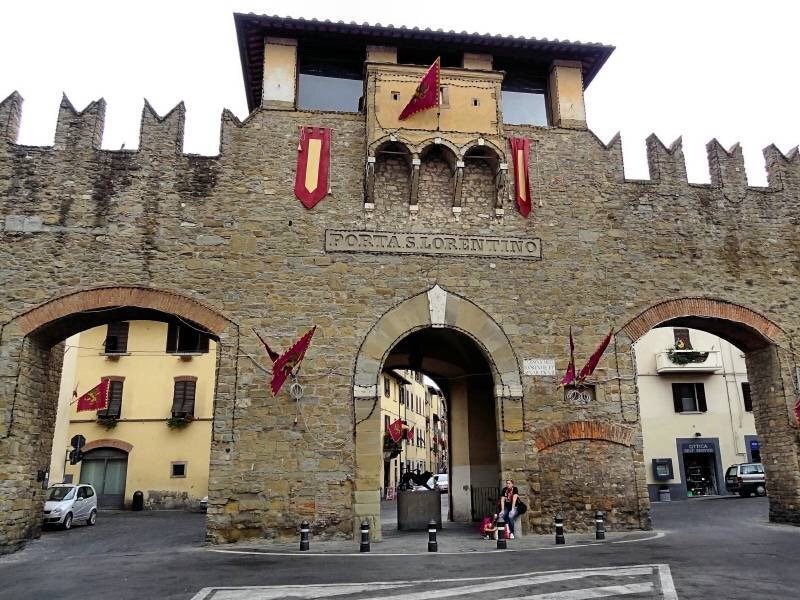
(155, 435)
(406, 395)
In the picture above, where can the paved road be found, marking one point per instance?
(713, 548)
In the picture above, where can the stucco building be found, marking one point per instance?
(415, 258)
(155, 435)
(696, 411)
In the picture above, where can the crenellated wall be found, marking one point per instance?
(227, 231)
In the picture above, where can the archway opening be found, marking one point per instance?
(458, 368)
(35, 348)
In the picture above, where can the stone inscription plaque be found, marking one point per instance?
(539, 366)
(389, 242)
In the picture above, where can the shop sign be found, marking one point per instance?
(698, 448)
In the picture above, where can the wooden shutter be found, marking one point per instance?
(114, 409)
(676, 397)
(172, 337)
(700, 390)
(183, 398)
(748, 399)
(117, 338)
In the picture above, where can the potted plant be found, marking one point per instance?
(179, 420)
(679, 355)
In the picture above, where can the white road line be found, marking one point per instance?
(308, 592)
(507, 583)
(667, 585)
(588, 593)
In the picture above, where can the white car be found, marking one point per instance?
(66, 503)
(442, 482)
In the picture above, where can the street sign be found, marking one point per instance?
(77, 441)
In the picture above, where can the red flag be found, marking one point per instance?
(272, 354)
(284, 365)
(96, 398)
(520, 149)
(410, 435)
(427, 93)
(569, 376)
(395, 430)
(313, 165)
(590, 365)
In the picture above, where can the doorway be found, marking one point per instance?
(106, 470)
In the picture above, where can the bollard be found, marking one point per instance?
(560, 529)
(304, 536)
(365, 536)
(599, 521)
(501, 533)
(433, 545)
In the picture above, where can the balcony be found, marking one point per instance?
(688, 361)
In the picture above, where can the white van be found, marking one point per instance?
(66, 503)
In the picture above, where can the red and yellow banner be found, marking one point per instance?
(520, 149)
(96, 398)
(427, 93)
(311, 183)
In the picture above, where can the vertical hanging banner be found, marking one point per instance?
(311, 182)
(520, 149)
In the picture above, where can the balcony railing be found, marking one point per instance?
(688, 361)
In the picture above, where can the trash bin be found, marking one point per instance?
(138, 501)
(664, 494)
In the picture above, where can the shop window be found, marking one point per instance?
(689, 397)
(178, 469)
(183, 398)
(114, 408)
(746, 397)
(185, 339)
(116, 341)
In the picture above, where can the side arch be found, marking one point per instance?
(584, 430)
(436, 308)
(108, 443)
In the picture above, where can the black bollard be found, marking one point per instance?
(599, 521)
(433, 545)
(365, 536)
(560, 529)
(304, 536)
(501, 533)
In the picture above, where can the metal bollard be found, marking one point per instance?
(501, 533)
(364, 536)
(560, 529)
(304, 536)
(433, 545)
(599, 521)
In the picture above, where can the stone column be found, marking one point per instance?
(414, 199)
(459, 174)
(369, 461)
(460, 471)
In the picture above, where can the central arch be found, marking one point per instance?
(436, 308)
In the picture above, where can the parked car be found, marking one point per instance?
(66, 503)
(442, 482)
(746, 479)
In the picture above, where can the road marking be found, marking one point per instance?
(657, 584)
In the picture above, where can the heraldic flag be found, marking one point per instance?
(395, 430)
(520, 149)
(313, 165)
(569, 376)
(284, 365)
(96, 398)
(591, 364)
(427, 93)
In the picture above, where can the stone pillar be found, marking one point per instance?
(369, 462)
(369, 183)
(773, 391)
(567, 108)
(280, 73)
(414, 199)
(457, 187)
(460, 472)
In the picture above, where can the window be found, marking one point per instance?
(330, 80)
(689, 397)
(386, 387)
(522, 93)
(386, 423)
(185, 339)
(116, 341)
(183, 398)
(114, 408)
(748, 399)
(682, 341)
(178, 469)
(402, 395)
(425, 57)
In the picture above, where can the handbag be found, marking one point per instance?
(522, 508)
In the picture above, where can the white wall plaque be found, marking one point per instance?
(539, 366)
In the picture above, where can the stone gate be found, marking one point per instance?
(418, 231)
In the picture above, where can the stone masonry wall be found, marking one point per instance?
(227, 231)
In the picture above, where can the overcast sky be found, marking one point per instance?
(699, 69)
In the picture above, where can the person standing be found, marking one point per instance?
(508, 504)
